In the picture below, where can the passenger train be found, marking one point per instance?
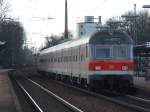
(102, 60)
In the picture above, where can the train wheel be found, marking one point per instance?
(110, 84)
(83, 83)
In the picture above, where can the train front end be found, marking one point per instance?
(111, 60)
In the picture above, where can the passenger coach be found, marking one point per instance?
(104, 59)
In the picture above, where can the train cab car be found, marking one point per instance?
(111, 60)
(104, 59)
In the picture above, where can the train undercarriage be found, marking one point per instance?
(121, 84)
(117, 83)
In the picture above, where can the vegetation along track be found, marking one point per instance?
(42, 99)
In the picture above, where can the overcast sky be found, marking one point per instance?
(32, 12)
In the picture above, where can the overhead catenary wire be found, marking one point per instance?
(98, 6)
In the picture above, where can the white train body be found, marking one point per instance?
(103, 57)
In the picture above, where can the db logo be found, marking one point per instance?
(124, 68)
(147, 44)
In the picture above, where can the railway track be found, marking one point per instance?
(130, 102)
(139, 99)
(133, 102)
(42, 99)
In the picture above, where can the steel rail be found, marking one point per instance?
(131, 106)
(30, 97)
(138, 99)
(72, 107)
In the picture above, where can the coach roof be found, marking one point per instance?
(68, 44)
(104, 37)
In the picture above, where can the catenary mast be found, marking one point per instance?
(66, 21)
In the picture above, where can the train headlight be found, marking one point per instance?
(124, 68)
(97, 67)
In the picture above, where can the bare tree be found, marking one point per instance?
(4, 8)
(138, 26)
(56, 39)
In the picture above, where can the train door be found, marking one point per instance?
(76, 62)
(79, 63)
(62, 61)
(56, 67)
(73, 61)
(58, 62)
(69, 61)
(83, 62)
(65, 60)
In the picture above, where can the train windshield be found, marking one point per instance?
(103, 53)
(122, 51)
(113, 51)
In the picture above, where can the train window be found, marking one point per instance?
(81, 33)
(121, 51)
(81, 57)
(41, 60)
(86, 51)
(103, 53)
(65, 59)
(69, 58)
(58, 59)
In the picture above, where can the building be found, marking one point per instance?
(89, 26)
(142, 60)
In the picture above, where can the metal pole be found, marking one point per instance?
(135, 35)
(66, 21)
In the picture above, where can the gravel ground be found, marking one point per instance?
(85, 102)
(44, 100)
(143, 94)
(81, 100)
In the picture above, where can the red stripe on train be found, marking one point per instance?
(114, 65)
